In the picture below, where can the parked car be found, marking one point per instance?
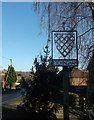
(18, 86)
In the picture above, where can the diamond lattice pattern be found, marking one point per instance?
(64, 42)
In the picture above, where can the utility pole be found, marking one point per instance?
(9, 69)
(10, 62)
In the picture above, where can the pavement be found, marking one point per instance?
(12, 103)
(11, 100)
(11, 95)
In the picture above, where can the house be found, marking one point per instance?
(78, 77)
(78, 86)
(2, 77)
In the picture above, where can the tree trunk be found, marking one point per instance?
(10, 86)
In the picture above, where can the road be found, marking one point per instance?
(11, 100)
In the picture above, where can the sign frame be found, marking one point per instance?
(65, 62)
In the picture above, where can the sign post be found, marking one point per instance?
(65, 42)
(65, 93)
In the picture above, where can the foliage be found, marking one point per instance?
(90, 83)
(91, 67)
(11, 76)
(41, 95)
(92, 8)
(73, 100)
(76, 16)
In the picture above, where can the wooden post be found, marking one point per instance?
(65, 93)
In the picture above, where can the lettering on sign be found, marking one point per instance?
(65, 62)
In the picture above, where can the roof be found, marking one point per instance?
(76, 73)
